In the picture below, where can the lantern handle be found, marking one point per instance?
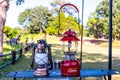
(80, 30)
(68, 4)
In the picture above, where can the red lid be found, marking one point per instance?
(69, 36)
(69, 33)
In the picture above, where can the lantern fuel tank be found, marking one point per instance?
(70, 68)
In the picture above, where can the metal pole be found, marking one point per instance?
(81, 36)
(14, 78)
(110, 39)
(59, 24)
(82, 31)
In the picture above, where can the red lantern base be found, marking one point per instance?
(70, 68)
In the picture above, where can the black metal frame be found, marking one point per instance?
(110, 40)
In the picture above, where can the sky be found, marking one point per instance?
(14, 11)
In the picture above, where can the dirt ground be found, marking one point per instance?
(93, 46)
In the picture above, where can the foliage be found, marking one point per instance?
(56, 4)
(35, 20)
(65, 24)
(69, 22)
(9, 32)
(40, 19)
(19, 2)
(98, 23)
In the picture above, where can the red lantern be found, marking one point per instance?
(70, 66)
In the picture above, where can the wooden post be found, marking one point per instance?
(33, 54)
(13, 56)
(21, 50)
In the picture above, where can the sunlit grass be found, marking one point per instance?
(9, 47)
(30, 36)
(115, 44)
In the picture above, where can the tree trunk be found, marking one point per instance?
(3, 9)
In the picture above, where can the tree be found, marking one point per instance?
(96, 27)
(9, 32)
(19, 2)
(65, 24)
(54, 26)
(35, 19)
(56, 4)
(3, 8)
(101, 18)
(116, 20)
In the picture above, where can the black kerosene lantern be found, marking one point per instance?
(41, 62)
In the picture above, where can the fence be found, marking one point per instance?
(13, 56)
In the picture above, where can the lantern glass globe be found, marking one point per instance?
(41, 58)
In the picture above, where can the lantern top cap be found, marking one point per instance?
(69, 32)
(69, 36)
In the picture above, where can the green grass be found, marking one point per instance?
(22, 64)
(34, 36)
(9, 47)
(90, 60)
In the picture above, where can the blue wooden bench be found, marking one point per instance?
(57, 74)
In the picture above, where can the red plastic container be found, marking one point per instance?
(70, 68)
